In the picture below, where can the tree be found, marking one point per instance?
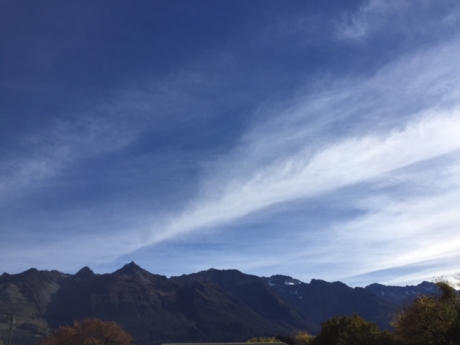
(431, 320)
(303, 338)
(351, 330)
(89, 332)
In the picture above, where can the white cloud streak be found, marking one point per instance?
(289, 163)
(368, 18)
(352, 161)
(404, 230)
(333, 135)
(278, 162)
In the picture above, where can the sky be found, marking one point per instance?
(315, 139)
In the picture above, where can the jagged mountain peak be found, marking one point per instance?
(374, 285)
(397, 294)
(219, 272)
(132, 264)
(280, 279)
(133, 269)
(427, 285)
(320, 282)
(30, 271)
(34, 275)
(219, 276)
(84, 272)
(130, 268)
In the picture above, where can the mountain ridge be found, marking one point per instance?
(207, 306)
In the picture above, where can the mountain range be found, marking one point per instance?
(208, 306)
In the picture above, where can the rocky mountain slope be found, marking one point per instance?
(209, 306)
(400, 294)
(320, 300)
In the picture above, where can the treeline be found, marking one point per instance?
(428, 320)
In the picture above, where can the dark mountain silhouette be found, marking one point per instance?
(401, 294)
(253, 291)
(208, 306)
(320, 300)
(153, 308)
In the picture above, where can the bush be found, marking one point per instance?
(89, 332)
(351, 330)
(430, 319)
(303, 338)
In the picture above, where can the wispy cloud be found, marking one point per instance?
(303, 175)
(340, 135)
(285, 159)
(281, 160)
(386, 141)
(105, 127)
(401, 229)
(44, 154)
(376, 17)
(45, 161)
(370, 16)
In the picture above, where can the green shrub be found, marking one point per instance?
(351, 330)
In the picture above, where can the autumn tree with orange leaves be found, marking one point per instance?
(89, 332)
(431, 319)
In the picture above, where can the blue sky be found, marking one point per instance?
(312, 139)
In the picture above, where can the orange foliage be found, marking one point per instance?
(89, 332)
